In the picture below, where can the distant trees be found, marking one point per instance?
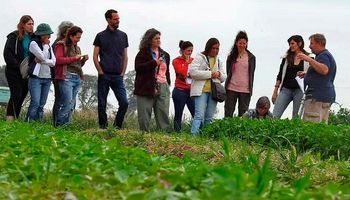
(129, 85)
(340, 117)
(87, 95)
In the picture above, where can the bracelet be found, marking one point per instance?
(277, 86)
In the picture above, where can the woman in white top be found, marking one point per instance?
(41, 62)
(205, 67)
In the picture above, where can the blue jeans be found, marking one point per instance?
(116, 83)
(68, 89)
(180, 99)
(39, 90)
(205, 108)
(284, 98)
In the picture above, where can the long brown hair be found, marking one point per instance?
(210, 43)
(73, 31)
(291, 55)
(24, 19)
(146, 41)
(234, 50)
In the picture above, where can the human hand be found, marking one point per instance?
(215, 75)
(304, 57)
(159, 61)
(100, 72)
(274, 96)
(37, 60)
(46, 40)
(301, 74)
(85, 57)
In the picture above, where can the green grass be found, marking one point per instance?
(327, 140)
(38, 161)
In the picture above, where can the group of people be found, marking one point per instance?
(62, 62)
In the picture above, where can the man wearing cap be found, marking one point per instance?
(319, 80)
(41, 63)
(110, 59)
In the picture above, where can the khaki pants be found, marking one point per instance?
(316, 111)
(160, 106)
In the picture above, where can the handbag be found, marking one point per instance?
(23, 67)
(218, 92)
(156, 89)
(157, 85)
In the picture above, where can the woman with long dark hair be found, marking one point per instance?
(16, 49)
(181, 93)
(286, 84)
(152, 82)
(68, 72)
(240, 68)
(205, 68)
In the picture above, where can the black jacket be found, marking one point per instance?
(13, 51)
(145, 67)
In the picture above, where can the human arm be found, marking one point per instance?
(319, 67)
(252, 63)
(278, 81)
(167, 61)
(144, 63)
(199, 69)
(222, 75)
(275, 91)
(61, 59)
(180, 68)
(96, 61)
(9, 51)
(53, 57)
(125, 61)
(84, 59)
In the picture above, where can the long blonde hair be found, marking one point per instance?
(24, 19)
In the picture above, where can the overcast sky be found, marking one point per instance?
(269, 23)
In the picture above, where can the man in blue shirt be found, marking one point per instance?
(110, 59)
(319, 79)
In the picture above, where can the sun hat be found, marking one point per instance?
(43, 29)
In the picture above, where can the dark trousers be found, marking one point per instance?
(180, 99)
(116, 83)
(231, 100)
(18, 91)
(56, 104)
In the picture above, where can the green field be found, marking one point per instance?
(232, 159)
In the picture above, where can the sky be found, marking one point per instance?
(268, 23)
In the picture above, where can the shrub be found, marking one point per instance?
(340, 117)
(328, 140)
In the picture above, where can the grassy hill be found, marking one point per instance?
(233, 159)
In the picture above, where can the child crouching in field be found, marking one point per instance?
(261, 110)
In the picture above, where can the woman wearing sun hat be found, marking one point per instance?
(42, 60)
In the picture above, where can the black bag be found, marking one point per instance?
(218, 92)
(156, 89)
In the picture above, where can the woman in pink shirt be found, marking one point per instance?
(240, 68)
